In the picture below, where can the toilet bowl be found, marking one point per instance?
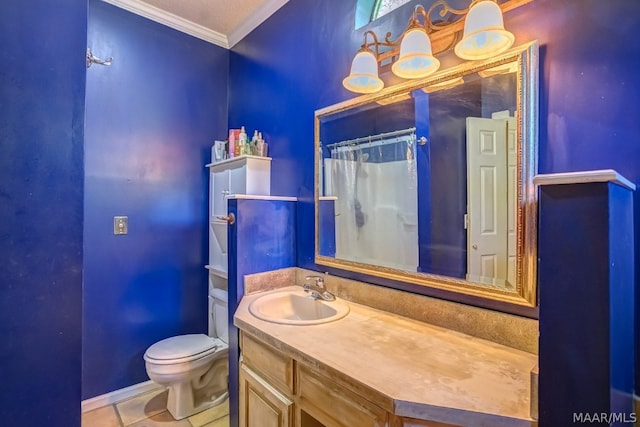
(194, 367)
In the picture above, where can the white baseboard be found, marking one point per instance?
(119, 395)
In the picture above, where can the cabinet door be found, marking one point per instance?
(261, 405)
(219, 190)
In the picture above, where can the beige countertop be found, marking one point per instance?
(409, 368)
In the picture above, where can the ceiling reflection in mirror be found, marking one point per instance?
(431, 183)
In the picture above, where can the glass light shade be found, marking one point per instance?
(364, 74)
(484, 34)
(416, 59)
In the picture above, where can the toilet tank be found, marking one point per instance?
(218, 314)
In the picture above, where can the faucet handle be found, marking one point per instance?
(317, 280)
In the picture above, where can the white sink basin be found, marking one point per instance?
(293, 306)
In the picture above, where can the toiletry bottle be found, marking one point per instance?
(262, 146)
(254, 143)
(232, 143)
(243, 141)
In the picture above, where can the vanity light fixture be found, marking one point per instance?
(416, 59)
(411, 55)
(484, 33)
(364, 70)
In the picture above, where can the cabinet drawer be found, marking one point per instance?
(332, 404)
(272, 365)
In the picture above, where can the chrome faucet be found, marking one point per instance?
(316, 289)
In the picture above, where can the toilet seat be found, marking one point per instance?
(182, 349)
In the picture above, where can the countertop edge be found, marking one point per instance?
(458, 416)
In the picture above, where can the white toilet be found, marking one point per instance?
(194, 367)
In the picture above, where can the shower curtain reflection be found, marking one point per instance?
(376, 207)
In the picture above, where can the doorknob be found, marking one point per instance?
(474, 246)
(231, 218)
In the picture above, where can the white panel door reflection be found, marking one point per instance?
(491, 185)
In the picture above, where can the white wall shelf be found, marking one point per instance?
(255, 197)
(581, 177)
(218, 272)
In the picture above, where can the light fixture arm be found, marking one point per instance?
(375, 43)
(414, 22)
(445, 9)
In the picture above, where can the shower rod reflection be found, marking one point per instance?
(372, 138)
(95, 60)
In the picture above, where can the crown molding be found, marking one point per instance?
(267, 9)
(175, 21)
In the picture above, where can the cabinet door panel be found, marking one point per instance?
(261, 405)
(238, 180)
(219, 191)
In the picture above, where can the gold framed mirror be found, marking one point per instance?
(430, 181)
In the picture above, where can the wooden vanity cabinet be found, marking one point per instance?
(275, 391)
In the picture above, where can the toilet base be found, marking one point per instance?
(179, 412)
(190, 397)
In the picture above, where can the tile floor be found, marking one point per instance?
(150, 410)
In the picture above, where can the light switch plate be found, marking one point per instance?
(120, 224)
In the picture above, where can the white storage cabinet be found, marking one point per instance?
(244, 175)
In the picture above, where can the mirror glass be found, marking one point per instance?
(430, 182)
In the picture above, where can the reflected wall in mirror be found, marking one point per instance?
(430, 182)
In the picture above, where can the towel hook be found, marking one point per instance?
(95, 60)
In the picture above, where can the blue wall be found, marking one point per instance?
(447, 254)
(259, 240)
(586, 308)
(151, 119)
(42, 85)
(589, 100)
(589, 93)
(147, 162)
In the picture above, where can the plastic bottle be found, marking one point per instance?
(254, 143)
(240, 150)
(262, 146)
(232, 143)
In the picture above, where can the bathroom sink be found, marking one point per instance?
(292, 306)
